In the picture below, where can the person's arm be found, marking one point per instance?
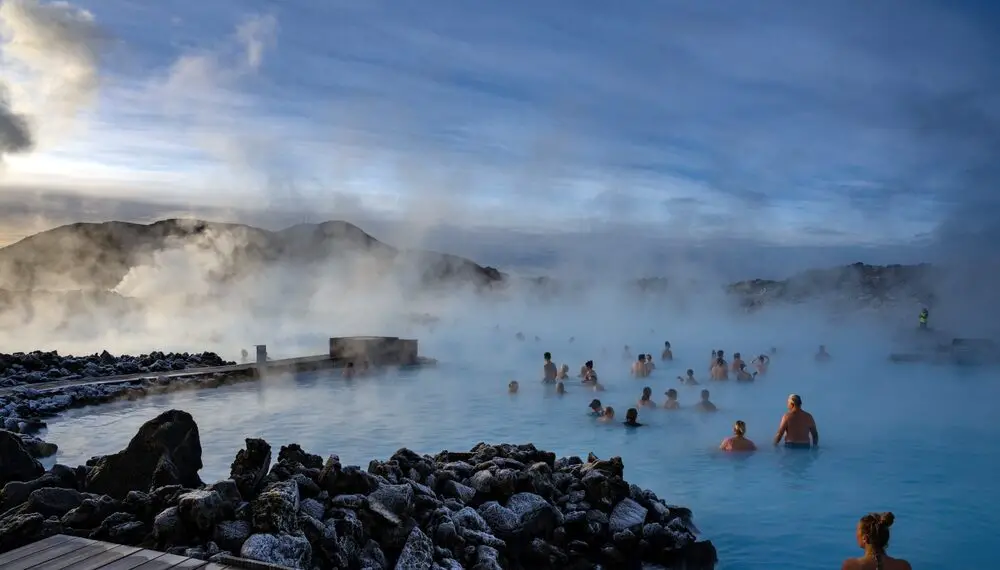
(782, 428)
(724, 445)
(815, 434)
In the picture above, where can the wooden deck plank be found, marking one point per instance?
(72, 559)
(134, 560)
(61, 549)
(101, 560)
(171, 561)
(29, 549)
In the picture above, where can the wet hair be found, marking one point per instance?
(547, 356)
(740, 428)
(632, 415)
(640, 358)
(647, 392)
(720, 352)
(704, 394)
(736, 355)
(795, 399)
(666, 344)
(595, 403)
(672, 394)
(609, 411)
(589, 364)
(874, 529)
(690, 372)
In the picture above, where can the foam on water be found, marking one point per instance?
(914, 440)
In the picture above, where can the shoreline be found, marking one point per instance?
(495, 506)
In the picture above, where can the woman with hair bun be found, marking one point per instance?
(873, 538)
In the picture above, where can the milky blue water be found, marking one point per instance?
(915, 440)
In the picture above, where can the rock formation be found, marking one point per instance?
(493, 507)
(34, 367)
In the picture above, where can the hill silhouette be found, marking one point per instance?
(84, 262)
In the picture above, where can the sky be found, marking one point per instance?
(822, 124)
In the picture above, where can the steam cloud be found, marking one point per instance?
(51, 56)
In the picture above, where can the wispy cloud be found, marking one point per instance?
(836, 122)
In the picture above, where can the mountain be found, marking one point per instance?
(97, 256)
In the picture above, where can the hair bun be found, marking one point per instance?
(886, 519)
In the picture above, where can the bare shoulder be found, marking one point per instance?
(902, 564)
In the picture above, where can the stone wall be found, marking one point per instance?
(377, 350)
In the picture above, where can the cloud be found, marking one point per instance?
(731, 120)
(51, 56)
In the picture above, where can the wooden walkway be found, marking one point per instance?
(62, 552)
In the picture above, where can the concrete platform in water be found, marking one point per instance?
(377, 351)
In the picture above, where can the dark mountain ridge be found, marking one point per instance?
(91, 259)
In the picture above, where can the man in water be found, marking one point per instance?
(924, 314)
(822, 355)
(797, 426)
(667, 353)
(596, 409)
(549, 369)
(705, 405)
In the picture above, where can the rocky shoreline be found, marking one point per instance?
(496, 506)
(22, 368)
(24, 410)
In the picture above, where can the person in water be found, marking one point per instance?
(639, 366)
(596, 409)
(671, 403)
(645, 401)
(720, 371)
(632, 418)
(738, 441)
(797, 426)
(737, 362)
(513, 386)
(822, 355)
(587, 372)
(608, 415)
(349, 371)
(705, 405)
(563, 372)
(873, 538)
(667, 353)
(760, 363)
(742, 375)
(549, 371)
(689, 379)
(922, 320)
(650, 366)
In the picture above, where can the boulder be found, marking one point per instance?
(165, 451)
(16, 462)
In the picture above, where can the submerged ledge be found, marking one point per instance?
(495, 506)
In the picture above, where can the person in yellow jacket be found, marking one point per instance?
(923, 318)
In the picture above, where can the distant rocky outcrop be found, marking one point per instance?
(33, 367)
(492, 507)
(97, 256)
(857, 284)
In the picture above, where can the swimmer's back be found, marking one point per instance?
(888, 563)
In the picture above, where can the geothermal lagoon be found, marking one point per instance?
(912, 439)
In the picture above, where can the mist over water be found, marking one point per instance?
(911, 439)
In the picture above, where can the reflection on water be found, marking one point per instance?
(912, 440)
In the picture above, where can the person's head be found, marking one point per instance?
(513, 386)
(547, 356)
(822, 348)
(671, 394)
(609, 412)
(647, 392)
(736, 355)
(739, 428)
(715, 354)
(595, 405)
(565, 368)
(690, 373)
(589, 364)
(666, 344)
(631, 415)
(873, 531)
(704, 395)
(641, 358)
(794, 402)
(721, 353)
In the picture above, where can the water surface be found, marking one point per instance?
(914, 440)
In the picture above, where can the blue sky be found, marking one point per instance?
(819, 123)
